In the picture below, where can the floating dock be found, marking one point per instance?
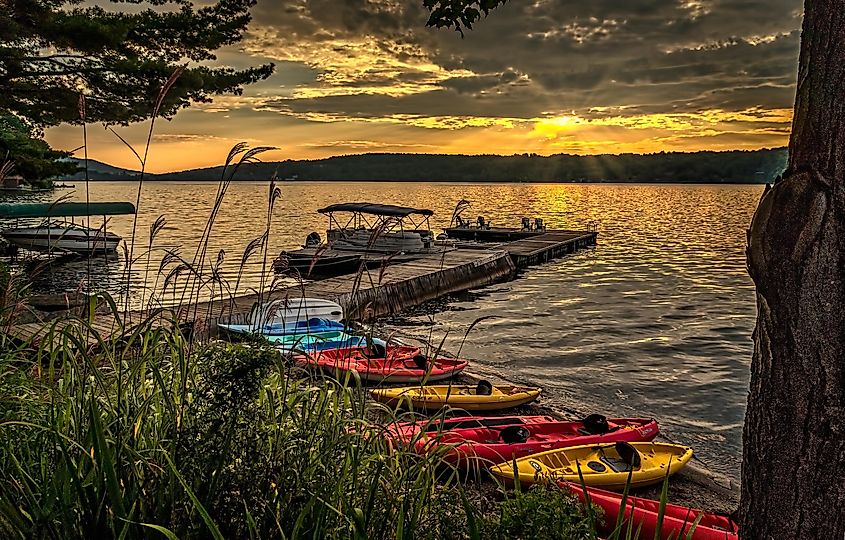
(365, 296)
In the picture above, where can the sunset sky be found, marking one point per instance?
(548, 76)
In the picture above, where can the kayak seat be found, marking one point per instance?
(616, 465)
(484, 388)
(515, 434)
(628, 460)
(420, 361)
(595, 424)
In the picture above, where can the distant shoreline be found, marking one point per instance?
(727, 167)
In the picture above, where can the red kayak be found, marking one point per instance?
(395, 364)
(404, 432)
(497, 440)
(677, 520)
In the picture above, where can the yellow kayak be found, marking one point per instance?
(603, 466)
(483, 397)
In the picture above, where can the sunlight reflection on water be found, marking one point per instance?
(656, 320)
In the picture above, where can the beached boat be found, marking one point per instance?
(290, 316)
(607, 466)
(404, 432)
(391, 364)
(374, 234)
(677, 521)
(313, 326)
(477, 440)
(321, 341)
(481, 397)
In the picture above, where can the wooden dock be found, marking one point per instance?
(375, 293)
(547, 246)
(364, 297)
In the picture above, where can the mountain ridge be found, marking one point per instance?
(731, 166)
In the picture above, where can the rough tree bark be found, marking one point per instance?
(793, 468)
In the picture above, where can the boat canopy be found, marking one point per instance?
(376, 209)
(65, 209)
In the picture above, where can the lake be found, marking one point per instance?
(656, 320)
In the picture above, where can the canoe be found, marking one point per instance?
(320, 341)
(605, 466)
(309, 326)
(458, 396)
(677, 520)
(391, 364)
(514, 438)
(280, 314)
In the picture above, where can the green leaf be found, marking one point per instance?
(163, 530)
(206, 518)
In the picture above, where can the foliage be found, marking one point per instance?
(153, 437)
(222, 440)
(458, 14)
(31, 157)
(14, 289)
(542, 513)
(51, 50)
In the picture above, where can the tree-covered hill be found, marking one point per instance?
(756, 166)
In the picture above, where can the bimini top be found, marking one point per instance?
(375, 209)
(65, 209)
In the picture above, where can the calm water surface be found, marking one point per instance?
(656, 320)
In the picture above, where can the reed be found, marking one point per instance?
(159, 434)
(223, 441)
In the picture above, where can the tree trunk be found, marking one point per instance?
(793, 467)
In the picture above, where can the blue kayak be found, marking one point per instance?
(311, 326)
(320, 342)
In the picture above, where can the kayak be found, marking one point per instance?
(458, 396)
(309, 326)
(677, 520)
(391, 364)
(606, 466)
(282, 313)
(407, 431)
(514, 439)
(320, 341)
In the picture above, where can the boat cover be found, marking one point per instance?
(375, 209)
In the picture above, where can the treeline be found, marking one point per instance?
(755, 166)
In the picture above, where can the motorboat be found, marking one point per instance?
(63, 237)
(374, 233)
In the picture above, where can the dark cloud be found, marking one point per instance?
(526, 59)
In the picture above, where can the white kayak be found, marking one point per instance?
(282, 316)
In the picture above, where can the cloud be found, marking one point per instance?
(542, 76)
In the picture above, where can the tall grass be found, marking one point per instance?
(148, 432)
(226, 441)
